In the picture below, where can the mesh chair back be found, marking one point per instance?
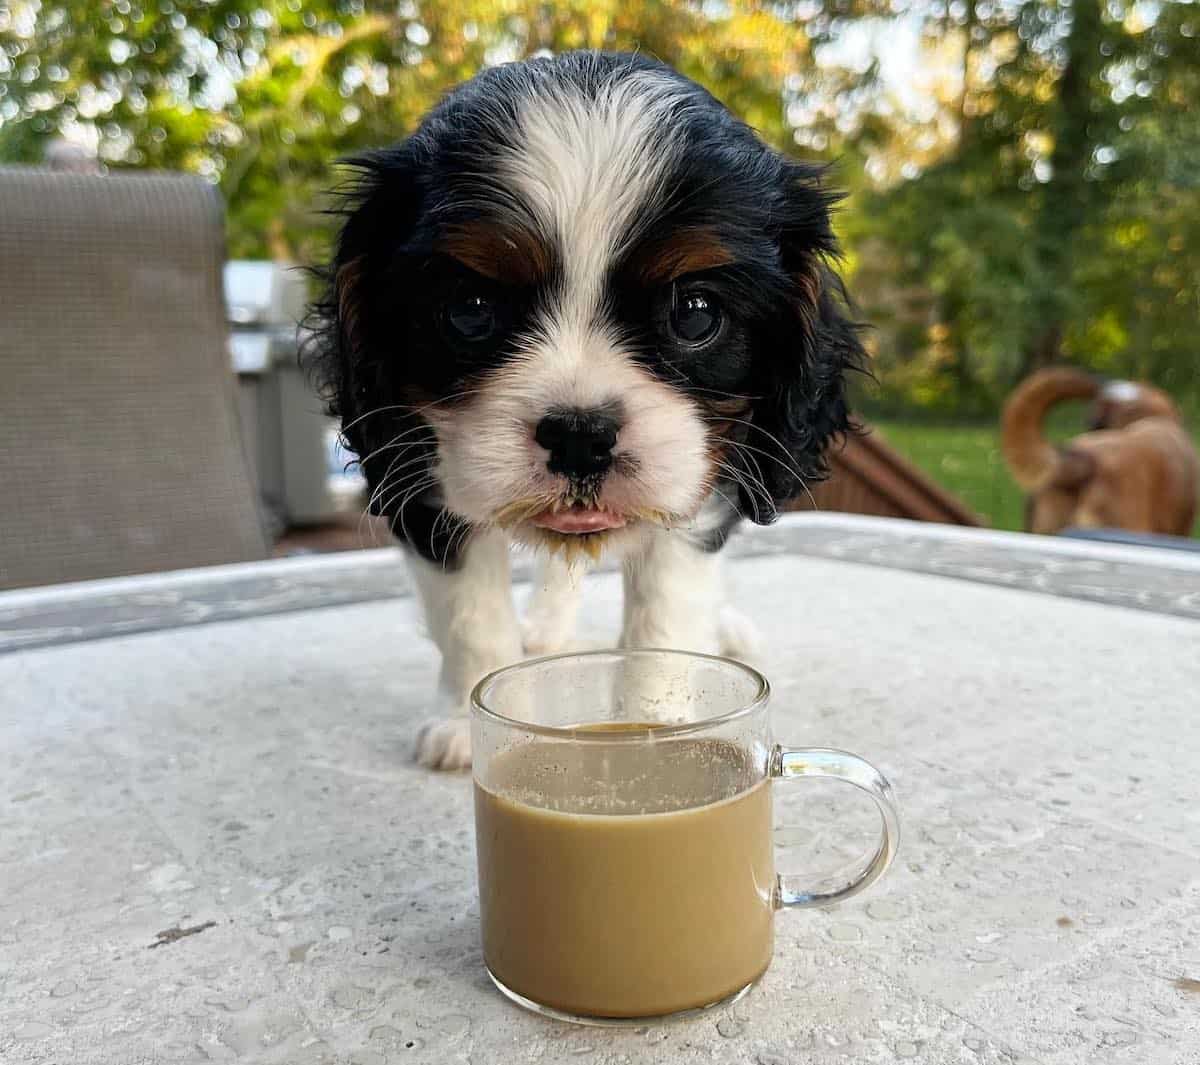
(120, 449)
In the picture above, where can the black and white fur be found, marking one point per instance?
(572, 206)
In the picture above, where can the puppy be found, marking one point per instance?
(583, 309)
(1136, 469)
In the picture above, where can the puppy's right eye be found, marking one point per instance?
(470, 317)
(695, 317)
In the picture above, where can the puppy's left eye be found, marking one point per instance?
(696, 317)
(471, 317)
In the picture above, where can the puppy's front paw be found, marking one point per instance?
(444, 743)
(544, 634)
(739, 636)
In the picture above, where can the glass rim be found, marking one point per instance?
(577, 735)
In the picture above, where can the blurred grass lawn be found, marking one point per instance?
(966, 460)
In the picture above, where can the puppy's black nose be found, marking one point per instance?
(580, 442)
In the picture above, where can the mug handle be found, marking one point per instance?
(796, 763)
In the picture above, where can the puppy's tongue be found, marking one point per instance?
(578, 520)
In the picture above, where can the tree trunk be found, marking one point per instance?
(965, 115)
(278, 246)
(1043, 351)
(1068, 197)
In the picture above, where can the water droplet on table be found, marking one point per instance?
(388, 1037)
(453, 1025)
(229, 1003)
(64, 988)
(350, 997)
(1118, 1039)
(844, 932)
(885, 910)
(33, 1030)
(92, 1002)
(339, 932)
(730, 1027)
(905, 1050)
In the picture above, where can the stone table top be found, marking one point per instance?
(213, 846)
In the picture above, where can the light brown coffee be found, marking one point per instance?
(625, 880)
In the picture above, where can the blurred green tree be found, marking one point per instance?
(263, 95)
(1045, 208)
(1024, 175)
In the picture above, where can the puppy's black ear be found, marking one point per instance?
(341, 349)
(802, 409)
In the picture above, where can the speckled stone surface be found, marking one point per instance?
(249, 780)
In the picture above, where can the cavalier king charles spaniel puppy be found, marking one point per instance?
(584, 309)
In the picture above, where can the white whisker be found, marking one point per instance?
(408, 409)
(753, 492)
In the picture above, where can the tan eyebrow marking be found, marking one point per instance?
(508, 254)
(686, 252)
(345, 285)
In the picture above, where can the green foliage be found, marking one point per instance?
(1040, 200)
(1060, 220)
(965, 459)
(263, 95)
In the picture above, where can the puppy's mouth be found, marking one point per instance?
(575, 527)
(578, 520)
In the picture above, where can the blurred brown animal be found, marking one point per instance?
(1137, 468)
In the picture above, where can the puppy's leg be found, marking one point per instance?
(672, 595)
(738, 636)
(549, 622)
(470, 615)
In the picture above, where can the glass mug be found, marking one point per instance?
(624, 832)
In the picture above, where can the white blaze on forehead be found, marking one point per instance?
(584, 169)
(586, 165)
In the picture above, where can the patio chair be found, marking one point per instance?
(120, 448)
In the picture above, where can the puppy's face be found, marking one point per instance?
(583, 299)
